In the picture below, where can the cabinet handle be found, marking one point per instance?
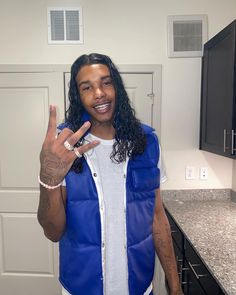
(177, 259)
(232, 142)
(181, 278)
(181, 274)
(198, 276)
(233, 134)
(225, 135)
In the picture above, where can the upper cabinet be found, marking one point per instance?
(218, 96)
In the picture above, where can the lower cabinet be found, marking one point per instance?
(194, 276)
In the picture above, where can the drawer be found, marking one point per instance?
(200, 271)
(192, 285)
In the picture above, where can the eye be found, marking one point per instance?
(107, 82)
(85, 88)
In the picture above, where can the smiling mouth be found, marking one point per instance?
(103, 108)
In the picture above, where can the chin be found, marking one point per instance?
(108, 118)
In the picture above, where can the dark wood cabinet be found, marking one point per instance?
(198, 273)
(192, 286)
(218, 94)
(195, 277)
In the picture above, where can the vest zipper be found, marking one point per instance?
(125, 217)
(97, 182)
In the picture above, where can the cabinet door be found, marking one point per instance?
(218, 94)
(193, 286)
(198, 272)
(28, 261)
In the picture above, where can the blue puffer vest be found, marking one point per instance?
(81, 261)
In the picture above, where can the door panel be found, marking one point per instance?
(18, 230)
(139, 89)
(16, 106)
(28, 261)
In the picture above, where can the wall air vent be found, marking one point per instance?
(65, 25)
(186, 35)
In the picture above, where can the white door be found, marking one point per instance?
(139, 87)
(28, 261)
(140, 91)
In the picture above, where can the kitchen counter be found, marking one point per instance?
(210, 225)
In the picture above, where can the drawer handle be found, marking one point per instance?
(198, 276)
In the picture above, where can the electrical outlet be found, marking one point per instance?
(189, 172)
(203, 173)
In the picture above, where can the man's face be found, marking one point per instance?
(97, 92)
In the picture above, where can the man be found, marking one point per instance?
(107, 213)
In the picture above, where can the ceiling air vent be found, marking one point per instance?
(65, 25)
(186, 35)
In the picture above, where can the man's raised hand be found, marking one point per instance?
(56, 160)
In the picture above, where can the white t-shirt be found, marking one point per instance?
(116, 269)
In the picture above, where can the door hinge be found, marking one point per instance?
(151, 96)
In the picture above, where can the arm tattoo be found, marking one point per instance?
(53, 168)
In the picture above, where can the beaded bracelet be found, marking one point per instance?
(48, 186)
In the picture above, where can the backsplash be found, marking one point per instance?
(233, 195)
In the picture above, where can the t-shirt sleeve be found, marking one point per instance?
(161, 166)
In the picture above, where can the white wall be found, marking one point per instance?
(131, 32)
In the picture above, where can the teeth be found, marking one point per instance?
(102, 106)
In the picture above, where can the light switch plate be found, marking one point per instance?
(189, 172)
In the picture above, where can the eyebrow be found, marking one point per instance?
(87, 82)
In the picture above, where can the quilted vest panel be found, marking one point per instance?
(80, 247)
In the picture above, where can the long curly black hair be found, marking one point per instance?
(130, 139)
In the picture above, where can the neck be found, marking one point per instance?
(104, 131)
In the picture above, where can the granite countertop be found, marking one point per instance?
(210, 225)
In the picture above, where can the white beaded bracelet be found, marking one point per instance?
(48, 186)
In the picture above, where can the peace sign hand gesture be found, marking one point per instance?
(58, 153)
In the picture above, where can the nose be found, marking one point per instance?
(99, 93)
